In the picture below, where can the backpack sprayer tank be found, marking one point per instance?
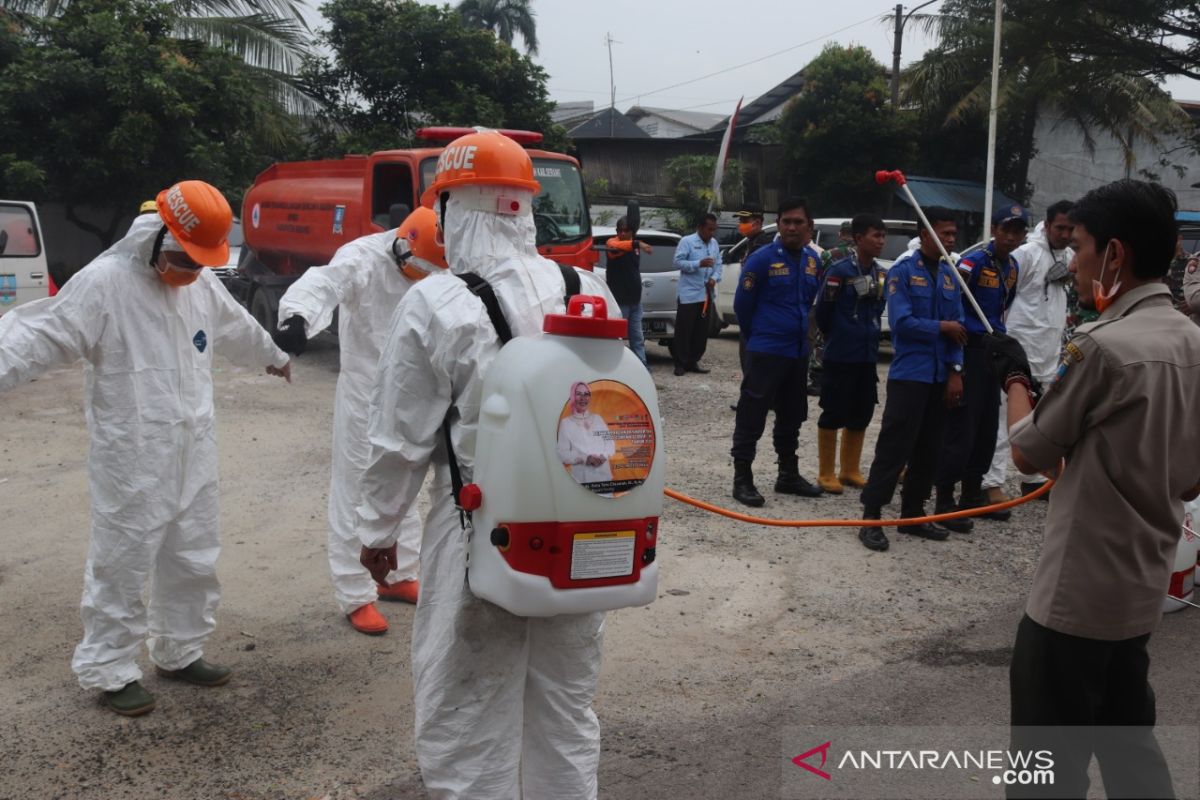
(569, 471)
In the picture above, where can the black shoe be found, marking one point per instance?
(790, 482)
(1030, 488)
(926, 530)
(733, 406)
(873, 538)
(699, 369)
(680, 370)
(743, 485)
(980, 500)
(794, 484)
(960, 525)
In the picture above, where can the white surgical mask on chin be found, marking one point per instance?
(1101, 298)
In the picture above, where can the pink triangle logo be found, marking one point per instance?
(800, 760)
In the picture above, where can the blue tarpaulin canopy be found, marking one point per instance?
(952, 193)
(1187, 216)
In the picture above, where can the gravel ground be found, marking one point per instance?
(755, 629)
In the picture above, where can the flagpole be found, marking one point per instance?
(994, 105)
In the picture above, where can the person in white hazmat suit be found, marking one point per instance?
(366, 279)
(1036, 319)
(503, 703)
(147, 318)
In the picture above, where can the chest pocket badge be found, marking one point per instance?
(200, 340)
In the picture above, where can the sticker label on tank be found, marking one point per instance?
(255, 215)
(606, 439)
(602, 555)
(339, 215)
(8, 289)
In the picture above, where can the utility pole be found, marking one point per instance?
(612, 86)
(993, 109)
(901, 19)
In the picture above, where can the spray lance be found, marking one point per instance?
(883, 177)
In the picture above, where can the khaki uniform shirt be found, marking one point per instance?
(1119, 412)
(1191, 287)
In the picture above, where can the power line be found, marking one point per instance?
(755, 61)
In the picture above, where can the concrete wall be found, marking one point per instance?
(1063, 168)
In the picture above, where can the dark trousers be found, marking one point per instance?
(911, 433)
(849, 394)
(691, 333)
(775, 383)
(969, 441)
(1058, 682)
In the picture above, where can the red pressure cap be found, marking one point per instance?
(470, 497)
(574, 323)
(887, 176)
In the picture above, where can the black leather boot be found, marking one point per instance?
(789, 480)
(743, 485)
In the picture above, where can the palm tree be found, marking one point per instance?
(505, 18)
(1045, 67)
(270, 36)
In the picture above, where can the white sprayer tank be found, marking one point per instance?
(570, 466)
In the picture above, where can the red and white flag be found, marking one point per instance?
(723, 156)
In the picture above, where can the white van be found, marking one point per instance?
(24, 275)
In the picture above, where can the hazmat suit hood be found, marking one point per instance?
(1038, 236)
(477, 240)
(138, 241)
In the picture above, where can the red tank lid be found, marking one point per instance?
(574, 323)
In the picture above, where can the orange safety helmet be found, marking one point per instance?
(199, 218)
(483, 158)
(418, 233)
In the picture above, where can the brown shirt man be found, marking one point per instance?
(1119, 412)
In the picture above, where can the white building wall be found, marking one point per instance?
(1063, 168)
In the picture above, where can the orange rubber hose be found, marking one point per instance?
(854, 523)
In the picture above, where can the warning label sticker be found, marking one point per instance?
(602, 555)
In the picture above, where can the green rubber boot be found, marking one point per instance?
(199, 672)
(132, 701)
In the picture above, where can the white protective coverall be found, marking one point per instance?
(153, 459)
(503, 703)
(1036, 319)
(364, 280)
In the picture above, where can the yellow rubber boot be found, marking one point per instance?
(826, 452)
(852, 445)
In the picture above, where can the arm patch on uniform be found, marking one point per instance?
(811, 268)
(1073, 351)
(832, 284)
(892, 284)
(748, 281)
(947, 282)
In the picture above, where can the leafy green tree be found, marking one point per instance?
(1056, 57)
(399, 65)
(691, 180)
(506, 18)
(270, 36)
(102, 106)
(837, 133)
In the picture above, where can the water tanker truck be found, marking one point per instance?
(297, 214)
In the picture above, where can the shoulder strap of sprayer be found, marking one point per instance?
(483, 290)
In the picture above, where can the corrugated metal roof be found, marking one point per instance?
(956, 195)
(607, 124)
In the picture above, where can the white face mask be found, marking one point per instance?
(1101, 298)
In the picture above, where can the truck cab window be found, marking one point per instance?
(391, 183)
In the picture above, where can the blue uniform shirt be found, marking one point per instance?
(849, 319)
(688, 255)
(774, 292)
(917, 301)
(993, 284)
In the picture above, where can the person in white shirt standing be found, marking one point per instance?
(1038, 320)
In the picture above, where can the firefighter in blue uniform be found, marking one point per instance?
(969, 441)
(924, 307)
(848, 311)
(775, 291)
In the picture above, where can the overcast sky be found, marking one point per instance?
(668, 42)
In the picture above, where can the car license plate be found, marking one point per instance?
(658, 326)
